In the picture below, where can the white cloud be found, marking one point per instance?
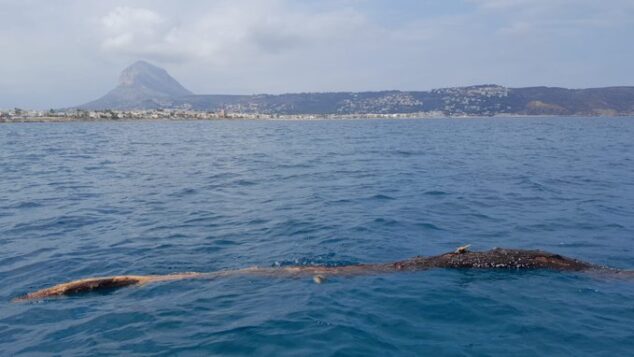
(555, 17)
(225, 31)
(137, 32)
(129, 19)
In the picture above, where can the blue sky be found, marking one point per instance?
(63, 53)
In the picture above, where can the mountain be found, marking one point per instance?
(145, 86)
(141, 85)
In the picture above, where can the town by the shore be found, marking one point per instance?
(52, 116)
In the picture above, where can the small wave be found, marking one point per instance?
(23, 205)
(257, 221)
(177, 236)
(382, 197)
(405, 153)
(386, 221)
(436, 193)
(429, 226)
(321, 260)
(245, 183)
(183, 192)
(343, 200)
(225, 242)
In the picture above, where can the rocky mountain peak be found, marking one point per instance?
(145, 75)
(141, 85)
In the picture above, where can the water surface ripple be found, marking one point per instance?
(85, 199)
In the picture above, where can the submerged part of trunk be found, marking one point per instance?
(498, 258)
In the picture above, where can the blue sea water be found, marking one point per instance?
(90, 199)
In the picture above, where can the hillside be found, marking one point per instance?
(145, 86)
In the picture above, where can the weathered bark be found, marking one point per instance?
(498, 258)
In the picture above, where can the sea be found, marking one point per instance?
(85, 199)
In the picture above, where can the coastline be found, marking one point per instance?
(302, 117)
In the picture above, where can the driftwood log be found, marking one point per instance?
(462, 258)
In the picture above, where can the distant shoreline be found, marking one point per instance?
(415, 116)
(302, 117)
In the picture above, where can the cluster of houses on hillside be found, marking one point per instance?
(20, 115)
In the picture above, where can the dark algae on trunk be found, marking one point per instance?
(498, 258)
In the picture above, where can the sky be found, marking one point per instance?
(62, 53)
